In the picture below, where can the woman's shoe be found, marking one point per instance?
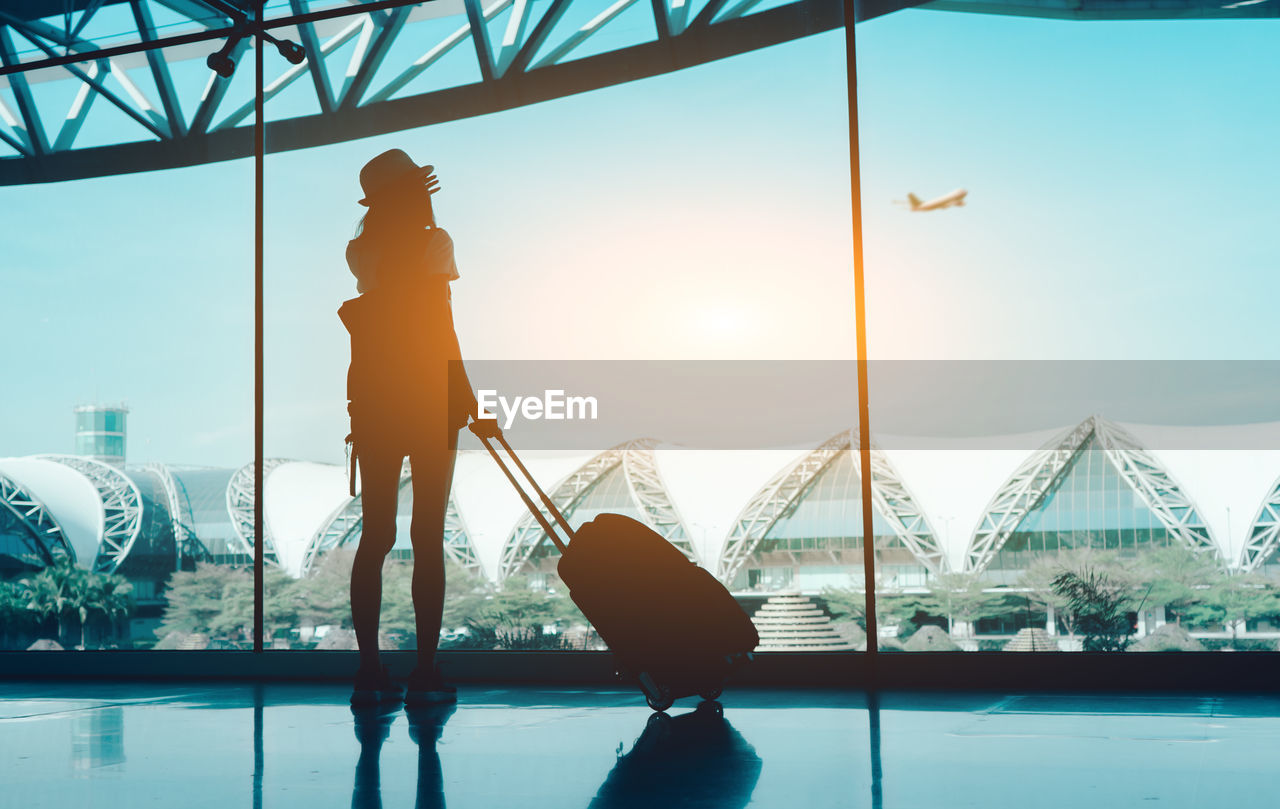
(427, 687)
(374, 686)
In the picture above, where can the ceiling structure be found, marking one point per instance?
(375, 67)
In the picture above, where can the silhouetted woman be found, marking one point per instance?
(408, 397)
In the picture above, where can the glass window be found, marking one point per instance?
(160, 288)
(1108, 453)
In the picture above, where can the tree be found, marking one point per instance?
(63, 591)
(199, 599)
(906, 611)
(397, 614)
(512, 616)
(961, 596)
(109, 596)
(14, 615)
(47, 594)
(323, 596)
(1177, 577)
(1039, 576)
(217, 600)
(1233, 600)
(846, 604)
(1098, 603)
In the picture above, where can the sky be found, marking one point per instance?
(1122, 205)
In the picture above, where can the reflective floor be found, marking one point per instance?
(111, 745)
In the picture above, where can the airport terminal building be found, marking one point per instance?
(764, 521)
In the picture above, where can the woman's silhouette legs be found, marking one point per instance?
(432, 478)
(380, 492)
(380, 478)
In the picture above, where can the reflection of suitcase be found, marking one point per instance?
(670, 624)
(695, 759)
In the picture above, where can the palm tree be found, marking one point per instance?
(108, 595)
(64, 590)
(50, 594)
(13, 611)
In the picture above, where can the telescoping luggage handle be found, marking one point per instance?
(533, 509)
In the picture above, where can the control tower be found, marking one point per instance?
(100, 432)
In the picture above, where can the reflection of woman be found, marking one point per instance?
(373, 727)
(408, 396)
(426, 726)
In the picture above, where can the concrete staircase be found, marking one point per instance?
(793, 623)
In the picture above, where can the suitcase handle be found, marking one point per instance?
(533, 509)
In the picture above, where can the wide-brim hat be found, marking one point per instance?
(390, 171)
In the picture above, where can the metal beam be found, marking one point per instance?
(77, 113)
(315, 66)
(515, 89)
(584, 33)
(159, 70)
(480, 38)
(521, 61)
(215, 90)
(513, 36)
(32, 127)
(149, 117)
(369, 55)
(433, 55)
(708, 13)
(508, 79)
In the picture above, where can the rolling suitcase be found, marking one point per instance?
(671, 626)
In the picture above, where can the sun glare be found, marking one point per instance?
(720, 321)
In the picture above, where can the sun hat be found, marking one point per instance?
(388, 172)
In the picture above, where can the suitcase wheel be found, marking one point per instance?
(659, 702)
(658, 696)
(712, 692)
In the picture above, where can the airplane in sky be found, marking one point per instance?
(955, 198)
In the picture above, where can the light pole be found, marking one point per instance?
(221, 63)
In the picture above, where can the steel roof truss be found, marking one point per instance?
(371, 50)
(32, 127)
(46, 538)
(159, 70)
(1156, 487)
(312, 66)
(121, 508)
(1264, 534)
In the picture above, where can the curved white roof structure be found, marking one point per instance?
(298, 501)
(69, 496)
(342, 527)
(240, 497)
(29, 534)
(1193, 491)
(782, 494)
(624, 479)
(1231, 471)
(121, 508)
(1264, 532)
(953, 503)
(953, 479)
(710, 487)
(489, 505)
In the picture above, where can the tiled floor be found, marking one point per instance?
(109, 745)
